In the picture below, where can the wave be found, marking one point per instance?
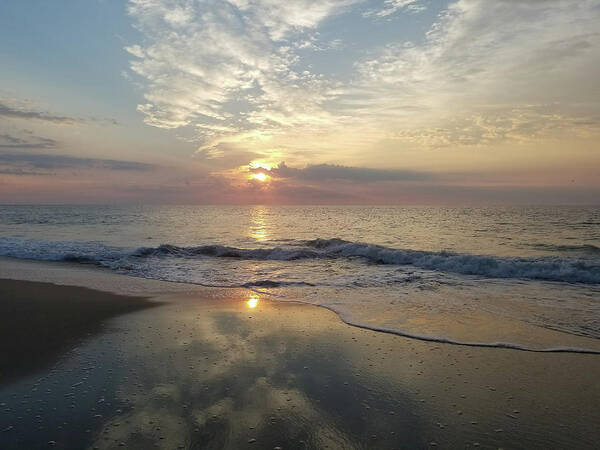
(543, 268)
(71, 251)
(275, 284)
(585, 249)
(277, 253)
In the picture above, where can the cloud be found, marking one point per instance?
(499, 61)
(14, 112)
(230, 68)
(8, 171)
(392, 6)
(238, 74)
(494, 125)
(8, 141)
(31, 164)
(327, 172)
(282, 18)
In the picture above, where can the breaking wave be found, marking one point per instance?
(561, 269)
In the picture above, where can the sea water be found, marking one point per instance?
(427, 272)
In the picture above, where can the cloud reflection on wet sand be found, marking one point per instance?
(217, 373)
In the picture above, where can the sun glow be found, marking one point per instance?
(260, 176)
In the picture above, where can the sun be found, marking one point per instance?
(259, 176)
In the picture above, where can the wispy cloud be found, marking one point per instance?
(486, 126)
(10, 111)
(502, 61)
(33, 163)
(230, 69)
(21, 172)
(31, 141)
(485, 72)
(391, 7)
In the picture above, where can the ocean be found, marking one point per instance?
(462, 275)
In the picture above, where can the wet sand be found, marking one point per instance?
(40, 321)
(232, 369)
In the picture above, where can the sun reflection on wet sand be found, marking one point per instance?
(253, 301)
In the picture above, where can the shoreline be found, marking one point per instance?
(96, 277)
(446, 341)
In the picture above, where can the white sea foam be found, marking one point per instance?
(560, 269)
(445, 340)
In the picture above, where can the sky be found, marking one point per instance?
(410, 102)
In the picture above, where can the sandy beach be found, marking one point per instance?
(233, 369)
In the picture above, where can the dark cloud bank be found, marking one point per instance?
(323, 172)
